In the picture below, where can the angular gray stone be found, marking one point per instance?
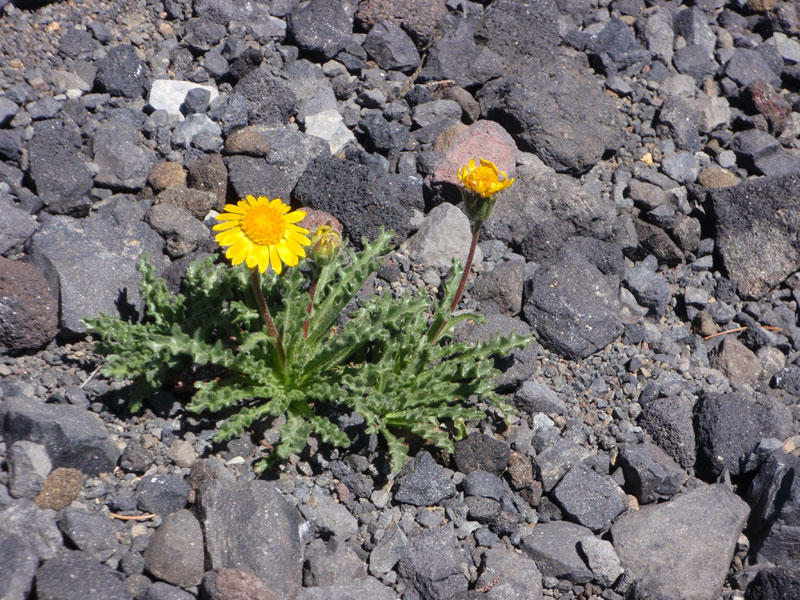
(56, 165)
(649, 288)
(28, 466)
(553, 462)
(757, 247)
(591, 499)
(500, 289)
(681, 548)
(436, 111)
(554, 548)
(678, 120)
(650, 473)
(122, 164)
(480, 451)
(72, 436)
(328, 519)
(250, 525)
(162, 494)
(121, 73)
(774, 496)
(87, 578)
(572, 306)
(615, 47)
(111, 240)
(558, 111)
(391, 48)
(320, 27)
(747, 65)
(175, 553)
(669, 421)
(18, 564)
(730, 425)
(434, 564)
(387, 551)
(423, 482)
(367, 587)
(602, 560)
(331, 563)
(445, 234)
(182, 233)
(509, 576)
(16, 227)
(92, 532)
(36, 527)
(533, 397)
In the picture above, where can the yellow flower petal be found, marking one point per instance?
(275, 259)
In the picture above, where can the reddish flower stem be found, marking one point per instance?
(313, 293)
(464, 275)
(255, 279)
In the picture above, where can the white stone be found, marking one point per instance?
(713, 111)
(329, 125)
(168, 94)
(602, 560)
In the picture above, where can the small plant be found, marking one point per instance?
(393, 361)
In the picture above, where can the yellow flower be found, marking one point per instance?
(261, 232)
(485, 179)
(325, 241)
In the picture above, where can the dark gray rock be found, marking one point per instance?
(182, 233)
(111, 240)
(11, 143)
(485, 485)
(121, 73)
(436, 111)
(456, 56)
(331, 563)
(591, 499)
(480, 451)
(8, 108)
(554, 461)
(230, 112)
(650, 474)
(694, 60)
(158, 590)
(680, 122)
(649, 288)
(756, 248)
(521, 32)
(500, 289)
(367, 587)
(557, 111)
(615, 48)
(219, 11)
(509, 576)
(175, 553)
(669, 421)
(763, 154)
(730, 425)
(328, 519)
(313, 90)
(681, 548)
(542, 210)
(774, 496)
(36, 527)
(423, 482)
(75, 42)
(269, 99)
(29, 310)
(56, 165)
(28, 467)
(391, 48)
(87, 578)
(321, 27)
(290, 151)
(162, 494)
(362, 201)
(433, 563)
(534, 397)
(554, 548)
(250, 525)
(16, 227)
(136, 458)
(387, 551)
(18, 564)
(774, 583)
(249, 175)
(656, 241)
(572, 306)
(201, 34)
(383, 135)
(123, 165)
(73, 437)
(747, 66)
(92, 532)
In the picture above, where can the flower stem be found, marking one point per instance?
(255, 279)
(464, 275)
(312, 292)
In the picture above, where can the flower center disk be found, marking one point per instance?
(264, 225)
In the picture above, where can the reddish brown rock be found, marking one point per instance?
(236, 584)
(211, 175)
(60, 489)
(774, 107)
(195, 201)
(166, 175)
(28, 309)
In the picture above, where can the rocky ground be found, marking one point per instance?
(650, 242)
